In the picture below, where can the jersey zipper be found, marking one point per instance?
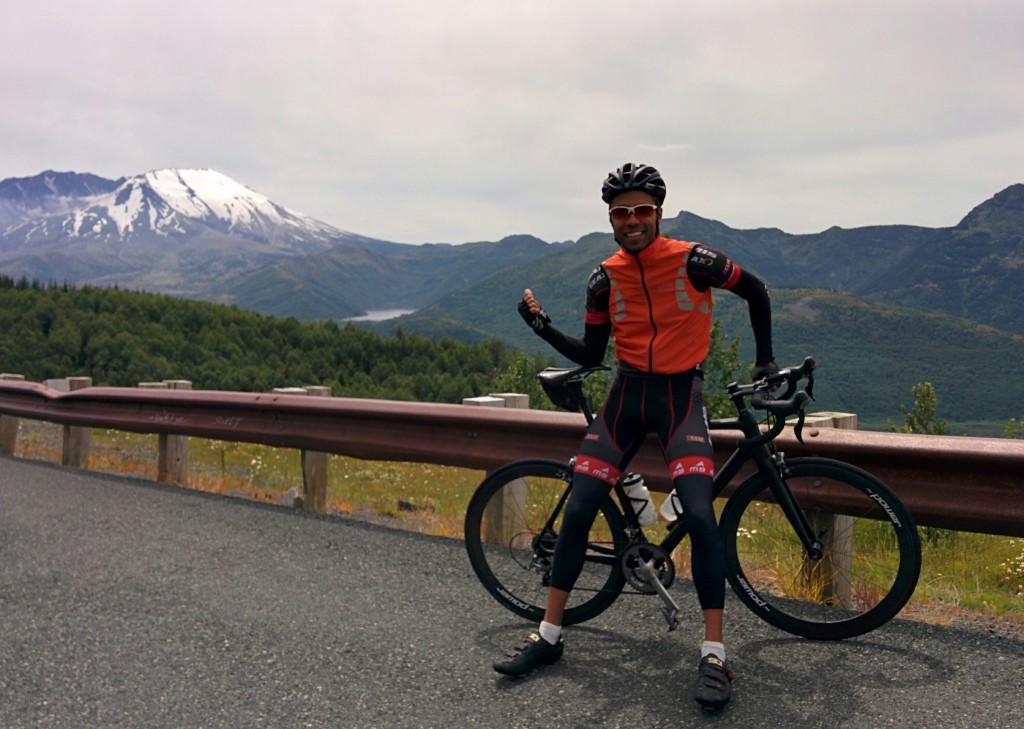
(650, 315)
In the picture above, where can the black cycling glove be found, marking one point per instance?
(536, 321)
(765, 370)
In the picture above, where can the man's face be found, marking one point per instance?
(637, 230)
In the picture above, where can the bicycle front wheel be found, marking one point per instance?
(872, 552)
(512, 524)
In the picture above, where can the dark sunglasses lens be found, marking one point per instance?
(621, 214)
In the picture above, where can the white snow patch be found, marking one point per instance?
(200, 193)
(125, 215)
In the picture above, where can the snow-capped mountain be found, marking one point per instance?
(165, 203)
(171, 230)
(50, 193)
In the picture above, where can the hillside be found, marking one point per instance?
(870, 354)
(346, 281)
(121, 338)
(973, 270)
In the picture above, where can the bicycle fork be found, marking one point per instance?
(787, 502)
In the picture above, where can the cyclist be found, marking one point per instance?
(653, 297)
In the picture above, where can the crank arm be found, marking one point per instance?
(669, 610)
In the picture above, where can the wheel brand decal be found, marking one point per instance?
(514, 601)
(758, 600)
(888, 509)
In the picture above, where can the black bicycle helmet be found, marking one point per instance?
(634, 177)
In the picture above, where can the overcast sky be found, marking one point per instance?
(463, 120)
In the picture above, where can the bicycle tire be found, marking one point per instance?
(872, 551)
(511, 554)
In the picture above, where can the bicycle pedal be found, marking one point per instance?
(671, 617)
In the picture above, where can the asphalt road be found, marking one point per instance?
(129, 604)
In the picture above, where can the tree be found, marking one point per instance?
(721, 366)
(1015, 428)
(922, 418)
(520, 375)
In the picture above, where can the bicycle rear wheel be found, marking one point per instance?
(872, 552)
(511, 549)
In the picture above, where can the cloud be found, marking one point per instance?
(466, 120)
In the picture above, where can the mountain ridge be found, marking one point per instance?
(198, 233)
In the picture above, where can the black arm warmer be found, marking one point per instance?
(588, 351)
(759, 305)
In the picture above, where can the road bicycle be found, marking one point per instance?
(814, 546)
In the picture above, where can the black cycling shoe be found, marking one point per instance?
(714, 682)
(532, 652)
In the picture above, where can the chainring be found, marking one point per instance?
(639, 554)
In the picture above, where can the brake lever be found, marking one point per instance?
(798, 431)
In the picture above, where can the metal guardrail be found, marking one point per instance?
(967, 484)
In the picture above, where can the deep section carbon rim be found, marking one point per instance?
(511, 551)
(872, 551)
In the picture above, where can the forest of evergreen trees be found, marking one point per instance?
(120, 338)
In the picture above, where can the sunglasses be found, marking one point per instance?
(621, 213)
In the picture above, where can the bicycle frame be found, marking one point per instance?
(756, 445)
(759, 447)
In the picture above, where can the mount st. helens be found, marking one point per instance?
(200, 234)
(170, 231)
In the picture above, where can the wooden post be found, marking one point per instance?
(504, 519)
(314, 463)
(834, 572)
(75, 448)
(172, 463)
(314, 467)
(9, 424)
(173, 460)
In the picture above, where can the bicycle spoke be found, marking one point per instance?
(864, 577)
(511, 539)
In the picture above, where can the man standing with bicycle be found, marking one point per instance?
(653, 298)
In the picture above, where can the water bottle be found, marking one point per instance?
(640, 498)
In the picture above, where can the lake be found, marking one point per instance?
(381, 314)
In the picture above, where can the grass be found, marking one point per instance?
(416, 496)
(961, 572)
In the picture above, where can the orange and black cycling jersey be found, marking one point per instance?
(657, 306)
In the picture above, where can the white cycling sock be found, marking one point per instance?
(550, 632)
(708, 647)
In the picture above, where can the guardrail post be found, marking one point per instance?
(75, 448)
(834, 570)
(314, 467)
(172, 463)
(314, 463)
(9, 424)
(504, 519)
